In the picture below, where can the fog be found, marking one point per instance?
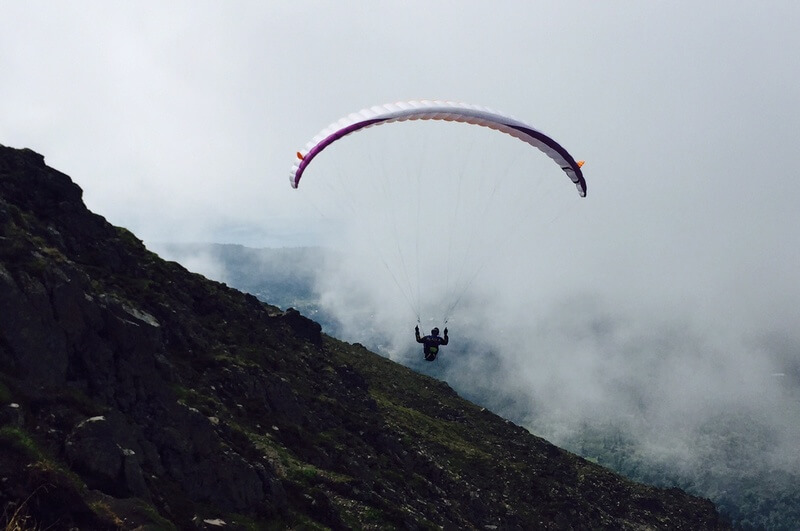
(558, 343)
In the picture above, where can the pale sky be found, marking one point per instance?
(180, 121)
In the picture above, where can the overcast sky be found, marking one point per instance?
(180, 121)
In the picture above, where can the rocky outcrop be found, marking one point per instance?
(134, 393)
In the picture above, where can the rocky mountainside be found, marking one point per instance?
(137, 395)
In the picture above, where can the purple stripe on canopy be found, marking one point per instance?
(328, 141)
(574, 171)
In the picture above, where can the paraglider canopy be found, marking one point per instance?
(438, 110)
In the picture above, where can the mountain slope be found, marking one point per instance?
(134, 393)
(739, 472)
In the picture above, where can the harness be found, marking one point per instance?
(431, 347)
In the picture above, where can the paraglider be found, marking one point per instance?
(434, 110)
(431, 343)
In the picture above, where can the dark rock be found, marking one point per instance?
(100, 448)
(283, 399)
(11, 414)
(36, 346)
(303, 327)
(92, 450)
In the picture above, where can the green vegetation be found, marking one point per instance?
(205, 404)
(103, 509)
(5, 394)
(18, 440)
(437, 431)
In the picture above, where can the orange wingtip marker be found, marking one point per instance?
(299, 155)
(580, 162)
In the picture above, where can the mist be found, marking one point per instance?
(562, 363)
(561, 341)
